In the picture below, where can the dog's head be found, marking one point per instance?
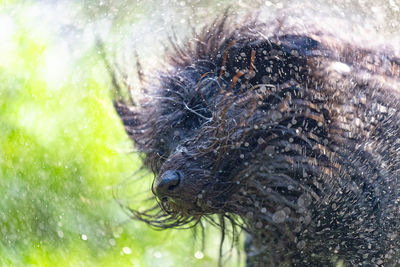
(233, 122)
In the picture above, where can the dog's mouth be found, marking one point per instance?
(193, 206)
(178, 205)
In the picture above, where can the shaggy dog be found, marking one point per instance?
(286, 129)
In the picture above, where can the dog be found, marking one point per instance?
(288, 129)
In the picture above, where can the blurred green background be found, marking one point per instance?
(64, 154)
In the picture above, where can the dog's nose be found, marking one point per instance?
(168, 183)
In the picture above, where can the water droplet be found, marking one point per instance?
(199, 255)
(126, 250)
(301, 244)
(263, 210)
(279, 216)
(275, 115)
(60, 233)
(304, 200)
(307, 219)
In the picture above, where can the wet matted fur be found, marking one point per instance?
(286, 128)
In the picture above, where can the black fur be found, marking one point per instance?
(291, 132)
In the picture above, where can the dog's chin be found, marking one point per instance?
(182, 207)
(191, 208)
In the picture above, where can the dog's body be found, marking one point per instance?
(293, 129)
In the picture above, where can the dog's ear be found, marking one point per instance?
(129, 117)
(126, 111)
(249, 59)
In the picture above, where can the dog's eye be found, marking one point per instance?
(177, 136)
(182, 150)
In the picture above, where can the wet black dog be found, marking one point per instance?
(286, 129)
